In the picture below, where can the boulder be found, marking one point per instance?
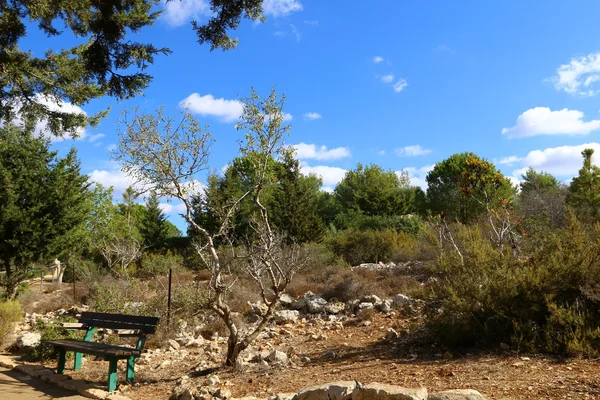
(385, 306)
(379, 391)
(278, 357)
(286, 300)
(365, 306)
(173, 345)
(286, 316)
(402, 300)
(341, 390)
(315, 304)
(371, 299)
(458, 394)
(334, 308)
(26, 340)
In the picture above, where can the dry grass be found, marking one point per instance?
(343, 284)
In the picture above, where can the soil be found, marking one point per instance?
(362, 353)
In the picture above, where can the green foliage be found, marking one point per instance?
(357, 246)
(153, 264)
(584, 192)
(409, 224)
(10, 314)
(105, 60)
(536, 181)
(547, 301)
(291, 198)
(43, 203)
(373, 191)
(51, 331)
(462, 185)
(153, 225)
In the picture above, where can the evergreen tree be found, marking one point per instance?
(154, 226)
(44, 201)
(584, 192)
(104, 61)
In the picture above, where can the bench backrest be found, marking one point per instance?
(119, 321)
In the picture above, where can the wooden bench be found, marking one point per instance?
(136, 326)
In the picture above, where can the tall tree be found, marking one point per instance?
(461, 185)
(153, 224)
(372, 191)
(536, 181)
(44, 201)
(106, 60)
(295, 202)
(584, 191)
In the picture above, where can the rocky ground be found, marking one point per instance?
(312, 341)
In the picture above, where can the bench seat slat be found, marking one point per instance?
(134, 319)
(94, 348)
(118, 325)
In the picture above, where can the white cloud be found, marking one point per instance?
(563, 161)
(400, 85)
(41, 127)
(93, 138)
(509, 160)
(281, 8)
(226, 110)
(578, 75)
(378, 59)
(331, 175)
(178, 12)
(417, 175)
(312, 115)
(169, 208)
(115, 178)
(542, 121)
(111, 147)
(310, 151)
(313, 22)
(412, 151)
(382, 152)
(389, 78)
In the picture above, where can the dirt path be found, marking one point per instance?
(17, 386)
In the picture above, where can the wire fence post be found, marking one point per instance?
(41, 277)
(74, 296)
(169, 300)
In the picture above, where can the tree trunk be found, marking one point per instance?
(234, 348)
(12, 283)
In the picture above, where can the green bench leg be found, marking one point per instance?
(77, 365)
(130, 369)
(62, 357)
(112, 374)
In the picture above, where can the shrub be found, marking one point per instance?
(371, 246)
(409, 224)
(546, 301)
(10, 314)
(51, 331)
(154, 264)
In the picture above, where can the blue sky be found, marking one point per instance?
(402, 84)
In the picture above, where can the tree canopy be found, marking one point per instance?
(106, 61)
(461, 185)
(584, 192)
(44, 202)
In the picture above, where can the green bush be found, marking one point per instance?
(547, 301)
(51, 331)
(371, 246)
(409, 224)
(154, 264)
(10, 314)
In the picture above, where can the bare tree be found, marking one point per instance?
(170, 155)
(121, 252)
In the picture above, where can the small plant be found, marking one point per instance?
(158, 264)
(51, 331)
(10, 313)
